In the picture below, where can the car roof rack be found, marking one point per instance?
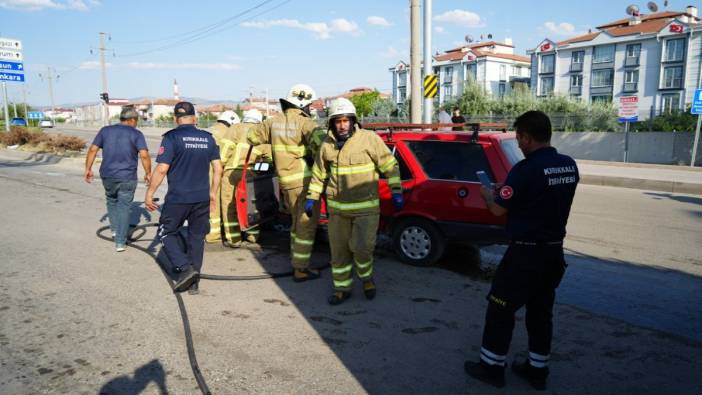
(475, 127)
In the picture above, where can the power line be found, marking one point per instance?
(206, 31)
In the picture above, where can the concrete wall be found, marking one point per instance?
(644, 147)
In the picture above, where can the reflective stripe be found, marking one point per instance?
(296, 176)
(343, 284)
(304, 242)
(317, 172)
(253, 232)
(363, 265)
(231, 224)
(341, 270)
(538, 360)
(353, 169)
(353, 206)
(302, 256)
(297, 149)
(491, 358)
(388, 165)
(364, 276)
(394, 180)
(314, 187)
(214, 220)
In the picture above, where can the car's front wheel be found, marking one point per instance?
(418, 242)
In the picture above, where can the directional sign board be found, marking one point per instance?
(13, 56)
(10, 43)
(12, 66)
(35, 115)
(697, 102)
(628, 109)
(430, 86)
(11, 77)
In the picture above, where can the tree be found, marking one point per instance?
(364, 103)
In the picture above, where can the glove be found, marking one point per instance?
(398, 201)
(309, 207)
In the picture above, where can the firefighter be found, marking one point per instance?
(349, 161)
(233, 160)
(294, 136)
(536, 199)
(222, 134)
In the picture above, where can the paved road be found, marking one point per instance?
(75, 317)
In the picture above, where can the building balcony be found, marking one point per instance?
(631, 86)
(576, 67)
(631, 61)
(576, 90)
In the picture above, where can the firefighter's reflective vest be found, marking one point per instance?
(233, 152)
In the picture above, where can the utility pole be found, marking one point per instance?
(268, 113)
(24, 99)
(7, 112)
(50, 79)
(428, 102)
(106, 110)
(415, 65)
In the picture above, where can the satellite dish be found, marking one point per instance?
(490, 36)
(665, 3)
(652, 6)
(632, 10)
(469, 38)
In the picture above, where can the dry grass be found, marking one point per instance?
(36, 140)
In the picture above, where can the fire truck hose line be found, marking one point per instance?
(140, 230)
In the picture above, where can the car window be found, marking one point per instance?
(456, 161)
(405, 173)
(511, 149)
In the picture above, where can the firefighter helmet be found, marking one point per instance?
(342, 106)
(253, 116)
(229, 117)
(300, 96)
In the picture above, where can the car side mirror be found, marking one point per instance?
(261, 166)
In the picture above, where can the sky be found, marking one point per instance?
(222, 50)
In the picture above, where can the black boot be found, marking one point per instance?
(369, 289)
(489, 374)
(338, 297)
(535, 376)
(194, 289)
(186, 278)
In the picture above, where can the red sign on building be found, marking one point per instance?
(676, 28)
(545, 47)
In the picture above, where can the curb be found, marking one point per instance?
(39, 157)
(639, 183)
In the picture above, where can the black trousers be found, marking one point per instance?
(528, 275)
(172, 218)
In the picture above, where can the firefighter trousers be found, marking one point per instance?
(352, 242)
(230, 221)
(303, 228)
(528, 275)
(215, 233)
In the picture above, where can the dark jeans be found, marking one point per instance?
(527, 276)
(172, 218)
(120, 195)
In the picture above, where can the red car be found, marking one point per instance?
(441, 189)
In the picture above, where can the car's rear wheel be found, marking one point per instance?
(418, 242)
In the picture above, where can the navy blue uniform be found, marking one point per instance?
(188, 151)
(537, 194)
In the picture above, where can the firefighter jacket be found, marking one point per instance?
(233, 152)
(293, 135)
(220, 131)
(351, 173)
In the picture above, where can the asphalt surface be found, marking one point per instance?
(76, 317)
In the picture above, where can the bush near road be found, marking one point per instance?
(33, 139)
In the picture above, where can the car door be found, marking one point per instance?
(384, 192)
(257, 195)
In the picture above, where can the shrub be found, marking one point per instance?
(19, 135)
(62, 142)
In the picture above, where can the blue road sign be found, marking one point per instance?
(697, 102)
(11, 77)
(629, 119)
(35, 115)
(11, 66)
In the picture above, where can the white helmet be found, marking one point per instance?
(229, 117)
(300, 95)
(253, 116)
(341, 106)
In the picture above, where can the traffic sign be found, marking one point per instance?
(14, 56)
(35, 115)
(10, 43)
(11, 77)
(12, 66)
(697, 102)
(628, 109)
(430, 86)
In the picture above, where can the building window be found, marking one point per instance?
(672, 77)
(578, 57)
(501, 90)
(576, 80)
(448, 75)
(602, 78)
(674, 50)
(402, 96)
(503, 72)
(471, 72)
(670, 103)
(402, 79)
(448, 91)
(633, 50)
(546, 86)
(631, 79)
(548, 63)
(602, 99)
(603, 54)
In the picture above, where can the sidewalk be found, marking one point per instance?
(663, 178)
